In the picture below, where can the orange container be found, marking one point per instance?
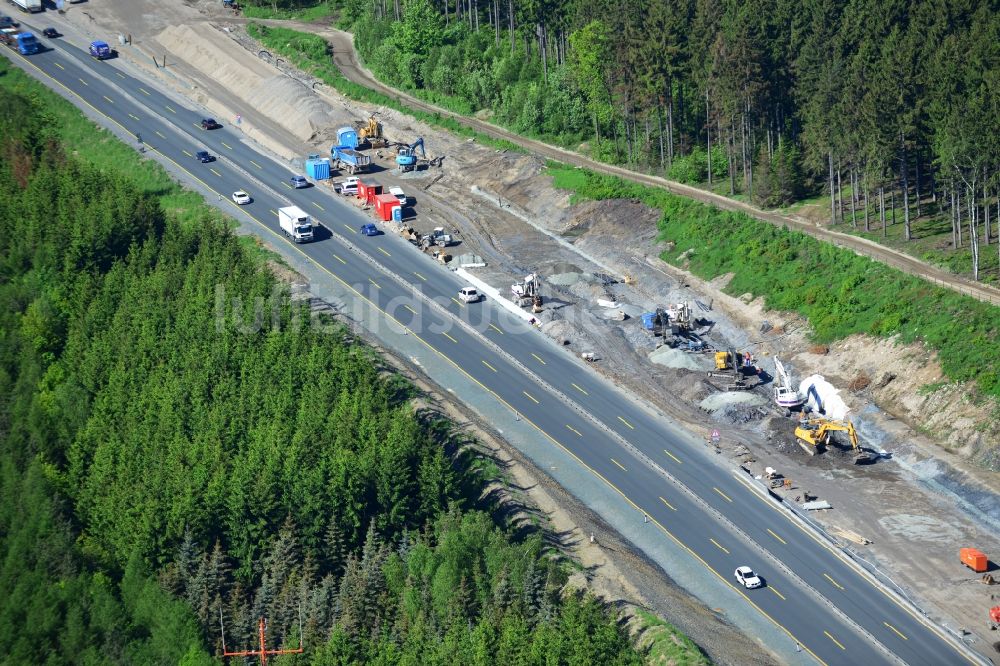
(974, 559)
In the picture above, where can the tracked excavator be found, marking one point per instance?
(815, 434)
(733, 367)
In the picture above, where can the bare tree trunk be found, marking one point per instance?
(670, 126)
(840, 193)
(731, 157)
(854, 210)
(833, 193)
(867, 208)
(973, 231)
(951, 214)
(892, 203)
(917, 184)
(510, 26)
(743, 150)
(986, 217)
(881, 206)
(906, 199)
(659, 127)
(958, 216)
(708, 137)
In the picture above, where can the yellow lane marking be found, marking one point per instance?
(626, 423)
(776, 592)
(834, 640)
(897, 631)
(420, 276)
(833, 581)
(190, 155)
(120, 74)
(82, 81)
(143, 91)
(724, 496)
(317, 205)
(351, 229)
(450, 338)
(676, 459)
(59, 66)
(133, 117)
(539, 358)
(719, 546)
(669, 505)
(619, 464)
(384, 252)
(340, 260)
(724, 579)
(458, 302)
(256, 165)
(579, 389)
(531, 397)
(160, 134)
(110, 101)
(374, 283)
(574, 430)
(776, 536)
(497, 330)
(227, 145)
(170, 109)
(489, 366)
(410, 309)
(215, 172)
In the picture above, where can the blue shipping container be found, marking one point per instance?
(647, 320)
(318, 169)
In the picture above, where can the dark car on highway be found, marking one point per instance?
(204, 156)
(50, 33)
(209, 124)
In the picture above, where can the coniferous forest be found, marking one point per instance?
(166, 462)
(889, 110)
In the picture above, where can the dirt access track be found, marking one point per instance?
(346, 59)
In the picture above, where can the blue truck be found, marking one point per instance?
(100, 50)
(347, 159)
(22, 42)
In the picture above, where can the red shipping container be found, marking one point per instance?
(974, 559)
(368, 191)
(384, 203)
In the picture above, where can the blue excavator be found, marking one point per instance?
(406, 156)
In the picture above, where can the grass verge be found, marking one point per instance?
(663, 643)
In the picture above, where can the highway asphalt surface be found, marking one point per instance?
(713, 513)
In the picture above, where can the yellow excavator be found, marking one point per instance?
(372, 131)
(814, 434)
(733, 367)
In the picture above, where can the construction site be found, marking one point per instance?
(846, 432)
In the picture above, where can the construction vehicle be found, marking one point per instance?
(733, 367)
(30, 6)
(21, 41)
(347, 159)
(785, 395)
(406, 156)
(527, 292)
(674, 319)
(815, 434)
(371, 131)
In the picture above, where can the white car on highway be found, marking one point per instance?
(747, 578)
(240, 197)
(469, 295)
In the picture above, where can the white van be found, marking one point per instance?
(469, 295)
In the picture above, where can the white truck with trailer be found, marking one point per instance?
(296, 224)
